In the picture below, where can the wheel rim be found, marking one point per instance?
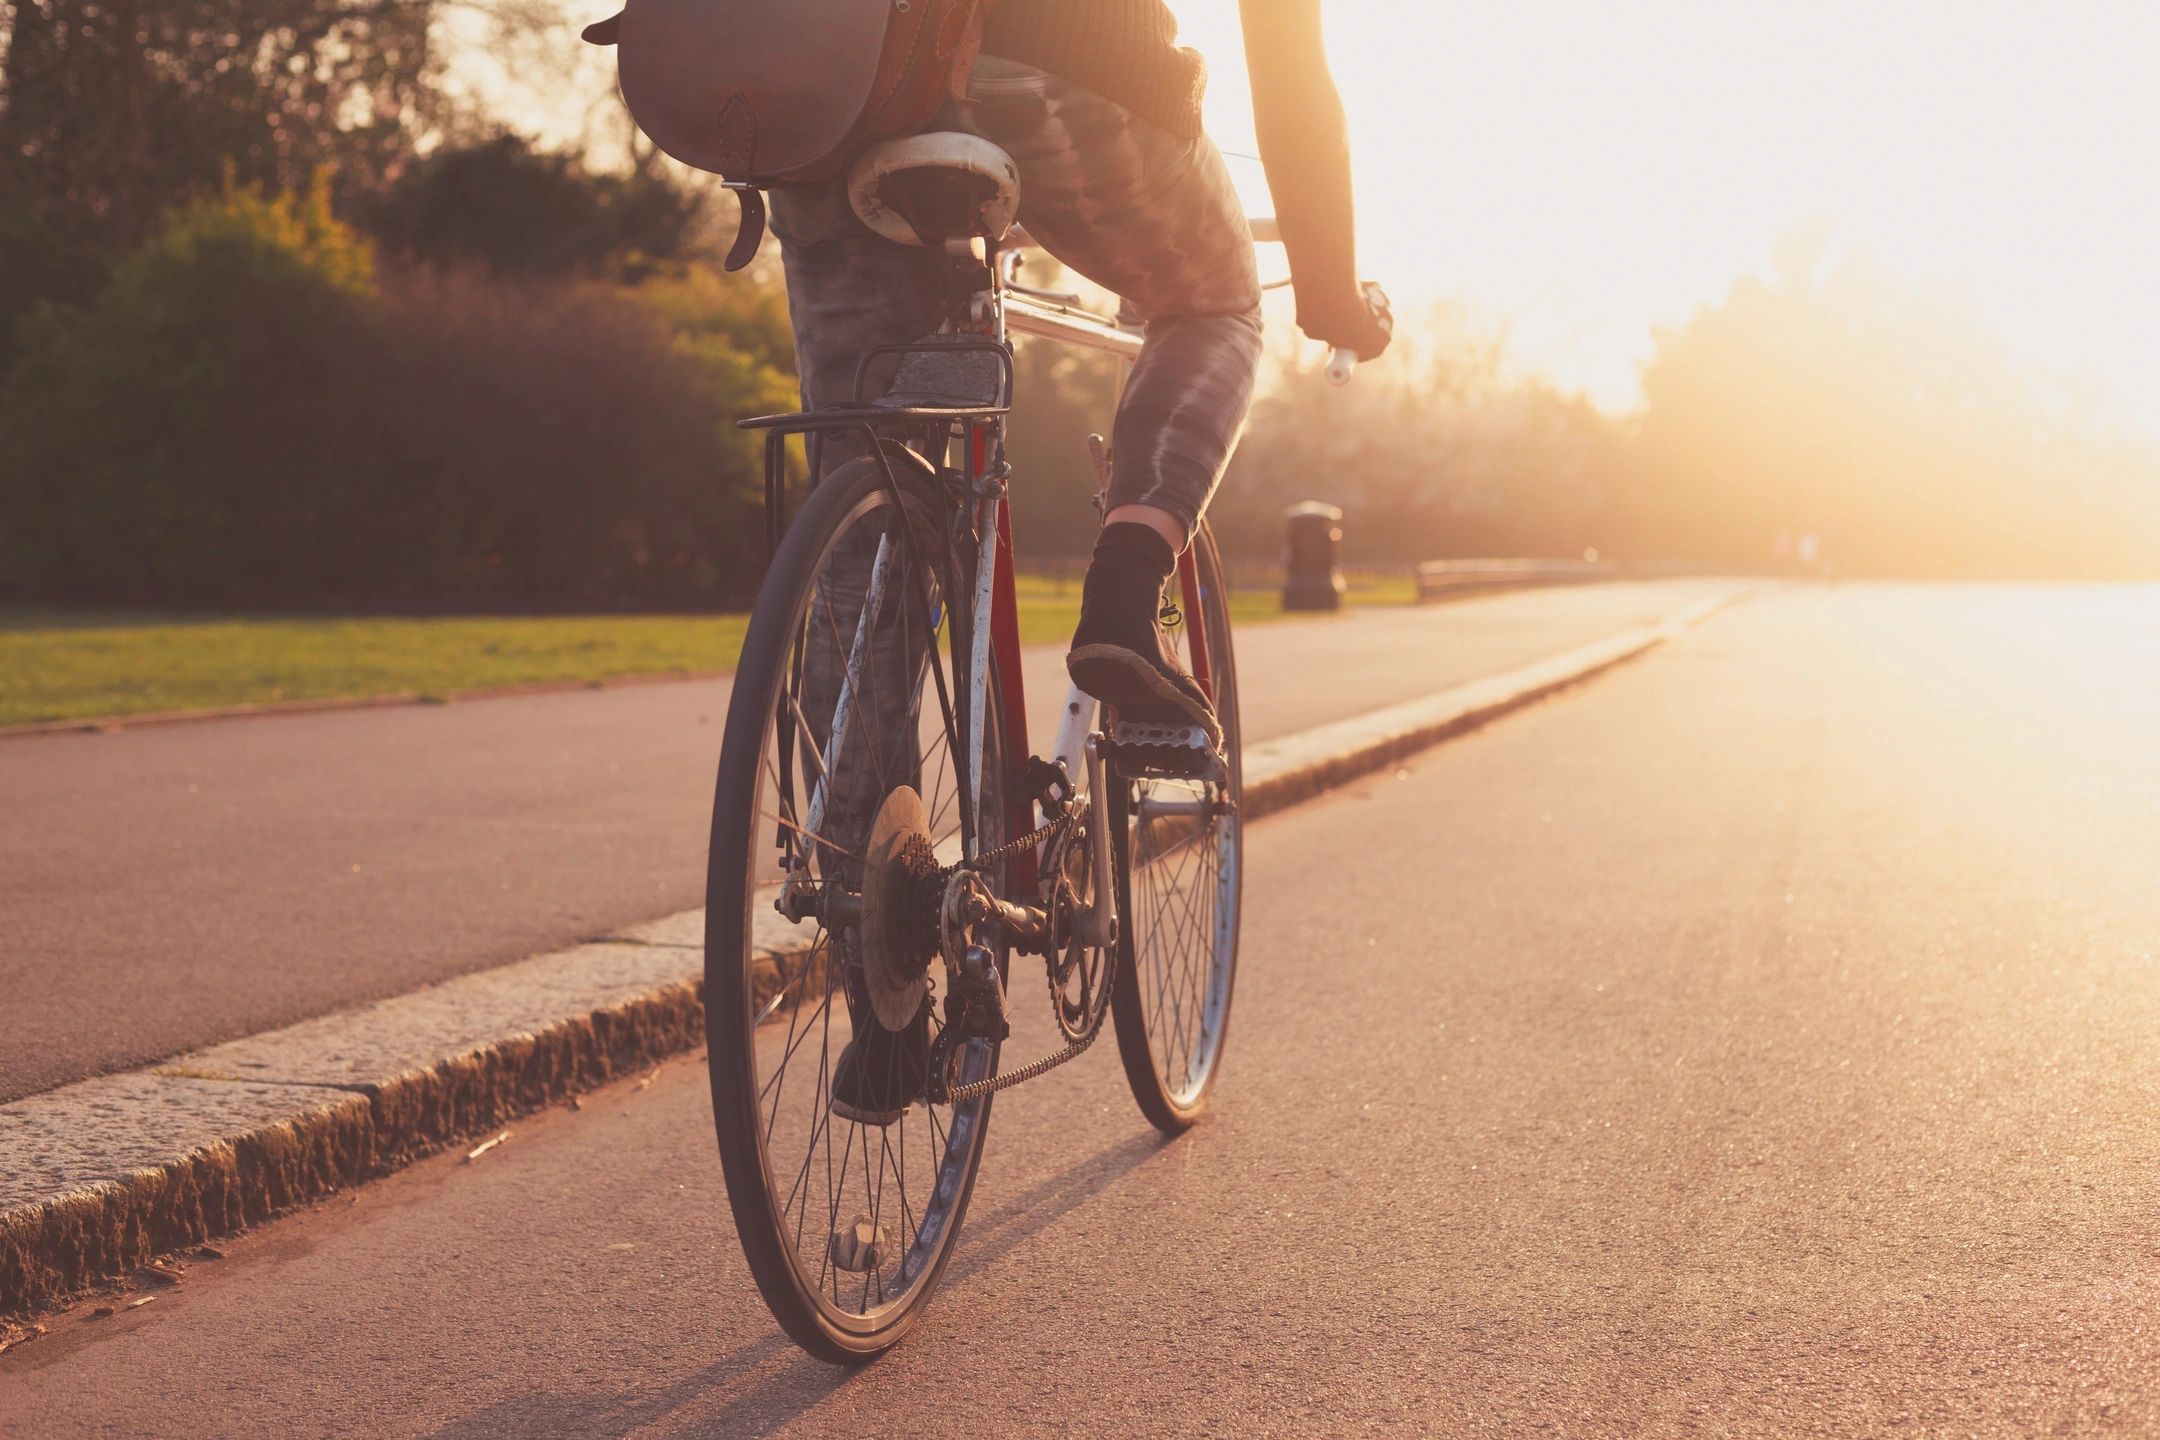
(820, 1170)
(1184, 888)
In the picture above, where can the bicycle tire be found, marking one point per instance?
(1172, 1023)
(746, 987)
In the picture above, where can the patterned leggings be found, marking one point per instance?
(1130, 206)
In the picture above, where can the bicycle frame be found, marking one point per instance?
(997, 307)
(884, 658)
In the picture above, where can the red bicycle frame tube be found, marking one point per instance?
(1188, 570)
(1005, 647)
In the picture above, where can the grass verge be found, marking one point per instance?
(69, 669)
(83, 665)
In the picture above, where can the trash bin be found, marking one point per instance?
(1312, 568)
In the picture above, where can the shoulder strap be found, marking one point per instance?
(966, 46)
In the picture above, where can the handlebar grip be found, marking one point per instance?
(1341, 365)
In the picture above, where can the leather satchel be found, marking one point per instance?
(785, 92)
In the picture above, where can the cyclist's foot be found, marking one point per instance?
(1118, 655)
(881, 1072)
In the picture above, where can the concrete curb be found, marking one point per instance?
(99, 1177)
(1281, 773)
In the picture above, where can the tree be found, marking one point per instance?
(148, 438)
(113, 111)
(1886, 420)
(500, 203)
(1437, 452)
(248, 416)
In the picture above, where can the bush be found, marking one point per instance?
(556, 447)
(142, 439)
(518, 211)
(248, 416)
(724, 322)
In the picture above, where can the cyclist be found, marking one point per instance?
(1100, 110)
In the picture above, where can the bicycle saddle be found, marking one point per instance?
(928, 189)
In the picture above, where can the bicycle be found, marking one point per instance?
(884, 845)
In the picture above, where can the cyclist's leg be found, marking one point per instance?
(850, 289)
(1154, 217)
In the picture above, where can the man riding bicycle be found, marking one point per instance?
(1100, 110)
(862, 787)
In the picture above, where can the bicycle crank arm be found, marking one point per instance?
(1152, 808)
(1097, 923)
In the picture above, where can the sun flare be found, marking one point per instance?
(1589, 172)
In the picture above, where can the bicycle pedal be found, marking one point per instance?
(1181, 752)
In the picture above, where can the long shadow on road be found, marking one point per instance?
(801, 1384)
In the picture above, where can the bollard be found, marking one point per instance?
(1312, 571)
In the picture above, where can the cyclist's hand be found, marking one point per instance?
(1360, 322)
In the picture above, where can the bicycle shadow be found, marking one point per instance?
(801, 1384)
(544, 1414)
(1050, 1200)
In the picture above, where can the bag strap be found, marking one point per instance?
(749, 229)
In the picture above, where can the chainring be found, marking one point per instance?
(1079, 973)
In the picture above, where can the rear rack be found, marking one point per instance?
(844, 417)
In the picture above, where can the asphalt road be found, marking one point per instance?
(1761, 1040)
(173, 886)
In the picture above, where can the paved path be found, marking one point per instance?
(173, 886)
(1760, 1041)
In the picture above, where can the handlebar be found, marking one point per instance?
(1342, 363)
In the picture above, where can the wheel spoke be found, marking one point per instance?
(813, 839)
(1180, 913)
(850, 706)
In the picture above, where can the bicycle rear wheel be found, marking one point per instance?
(1180, 853)
(847, 1226)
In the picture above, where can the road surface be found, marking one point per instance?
(169, 887)
(1760, 1040)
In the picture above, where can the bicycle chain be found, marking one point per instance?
(1017, 848)
(975, 1089)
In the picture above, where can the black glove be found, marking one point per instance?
(1360, 322)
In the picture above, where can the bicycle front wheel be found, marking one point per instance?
(838, 701)
(1180, 866)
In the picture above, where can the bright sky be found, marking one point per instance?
(1591, 169)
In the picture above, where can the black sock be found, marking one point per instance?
(1129, 542)
(1123, 589)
